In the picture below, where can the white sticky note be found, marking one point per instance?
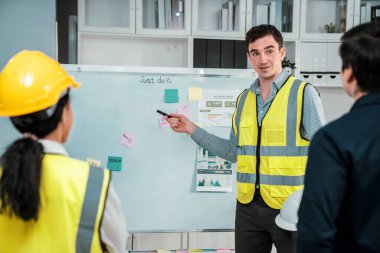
(195, 93)
(127, 140)
(184, 109)
(93, 162)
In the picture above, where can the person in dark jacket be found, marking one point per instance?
(340, 207)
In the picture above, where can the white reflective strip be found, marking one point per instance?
(274, 151)
(271, 179)
(291, 121)
(89, 210)
(246, 178)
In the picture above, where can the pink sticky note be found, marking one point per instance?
(184, 109)
(127, 140)
(164, 123)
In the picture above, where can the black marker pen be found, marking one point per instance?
(162, 113)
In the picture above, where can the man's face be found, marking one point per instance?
(266, 57)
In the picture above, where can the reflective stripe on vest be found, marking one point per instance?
(275, 151)
(270, 179)
(89, 210)
(278, 177)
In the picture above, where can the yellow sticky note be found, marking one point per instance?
(195, 93)
(198, 124)
(93, 162)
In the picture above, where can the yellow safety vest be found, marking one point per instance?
(274, 154)
(72, 203)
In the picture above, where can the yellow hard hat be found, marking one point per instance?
(32, 81)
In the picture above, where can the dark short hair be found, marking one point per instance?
(360, 50)
(260, 31)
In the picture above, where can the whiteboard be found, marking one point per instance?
(157, 183)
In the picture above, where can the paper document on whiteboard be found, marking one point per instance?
(217, 107)
(214, 174)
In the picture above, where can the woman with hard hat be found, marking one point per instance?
(50, 202)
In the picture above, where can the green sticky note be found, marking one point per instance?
(114, 163)
(171, 96)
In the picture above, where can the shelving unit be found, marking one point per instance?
(163, 33)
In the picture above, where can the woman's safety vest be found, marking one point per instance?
(72, 196)
(272, 155)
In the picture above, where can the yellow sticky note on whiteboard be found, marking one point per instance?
(195, 93)
(93, 162)
(198, 124)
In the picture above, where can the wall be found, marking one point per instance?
(26, 24)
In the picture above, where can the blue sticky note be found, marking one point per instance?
(171, 96)
(114, 163)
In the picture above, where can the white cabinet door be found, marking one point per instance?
(334, 63)
(284, 14)
(109, 16)
(163, 17)
(326, 19)
(219, 18)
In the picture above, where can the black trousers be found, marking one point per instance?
(256, 230)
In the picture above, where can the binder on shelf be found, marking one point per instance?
(161, 14)
(240, 53)
(150, 15)
(272, 13)
(200, 52)
(229, 6)
(236, 17)
(375, 13)
(368, 12)
(262, 14)
(224, 20)
(213, 54)
(177, 14)
(227, 54)
(168, 14)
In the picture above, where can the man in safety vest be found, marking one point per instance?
(50, 202)
(273, 122)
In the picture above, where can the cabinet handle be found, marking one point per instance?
(333, 76)
(319, 76)
(306, 76)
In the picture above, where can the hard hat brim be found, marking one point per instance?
(285, 225)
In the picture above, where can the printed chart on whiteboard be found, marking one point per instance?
(217, 107)
(214, 174)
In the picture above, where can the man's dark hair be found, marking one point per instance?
(260, 31)
(360, 50)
